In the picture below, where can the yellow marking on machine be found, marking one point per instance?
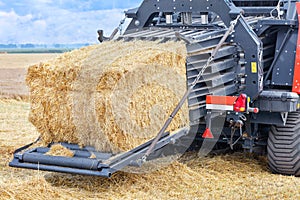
(254, 67)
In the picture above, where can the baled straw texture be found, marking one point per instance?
(59, 150)
(113, 96)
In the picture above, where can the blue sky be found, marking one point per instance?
(59, 21)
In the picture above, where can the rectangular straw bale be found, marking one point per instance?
(77, 97)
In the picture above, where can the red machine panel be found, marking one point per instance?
(296, 82)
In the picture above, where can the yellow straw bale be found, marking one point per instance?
(113, 96)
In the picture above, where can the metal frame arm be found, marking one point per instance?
(253, 48)
(225, 9)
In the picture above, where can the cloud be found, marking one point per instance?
(59, 21)
(68, 27)
(11, 24)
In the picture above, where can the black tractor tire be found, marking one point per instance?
(284, 146)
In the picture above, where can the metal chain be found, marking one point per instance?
(233, 130)
(189, 90)
(121, 25)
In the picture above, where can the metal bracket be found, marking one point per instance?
(183, 38)
(284, 116)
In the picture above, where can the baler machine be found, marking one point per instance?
(242, 71)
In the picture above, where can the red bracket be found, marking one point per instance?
(296, 83)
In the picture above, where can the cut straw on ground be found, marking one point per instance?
(232, 176)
